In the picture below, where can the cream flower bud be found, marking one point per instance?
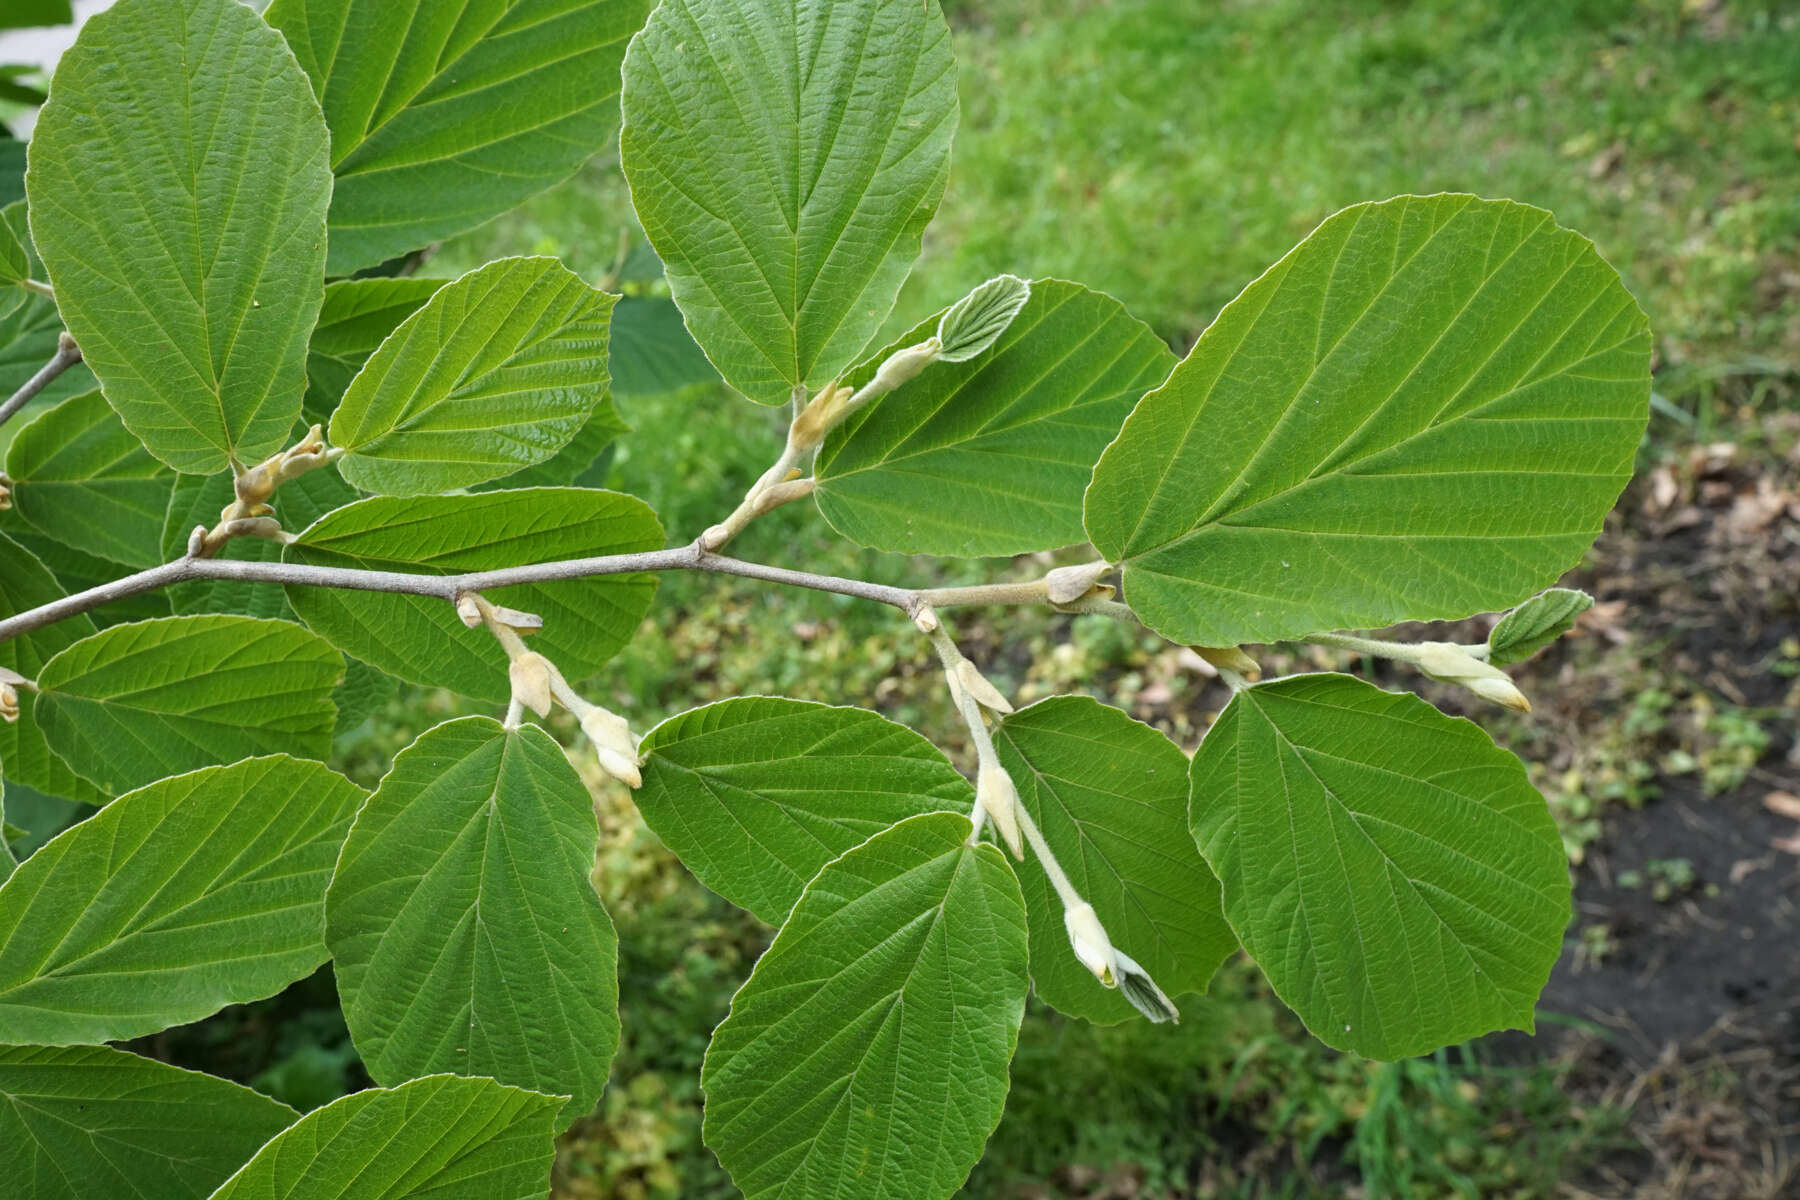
(1500, 691)
(469, 610)
(1451, 663)
(1231, 658)
(1065, 585)
(530, 676)
(1087, 937)
(999, 799)
(902, 365)
(978, 686)
(614, 748)
(9, 703)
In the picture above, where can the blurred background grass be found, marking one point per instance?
(1167, 151)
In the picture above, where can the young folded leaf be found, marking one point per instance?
(1536, 623)
(784, 158)
(171, 902)
(867, 1053)
(463, 927)
(975, 322)
(1424, 410)
(1392, 871)
(190, 276)
(441, 1137)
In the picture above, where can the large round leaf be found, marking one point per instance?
(1392, 871)
(444, 115)
(867, 1053)
(465, 930)
(438, 1138)
(495, 373)
(1425, 410)
(87, 1121)
(136, 702)
(990, 456)
(420, 638)
(784, 158)
(171, 902)
(178, 187)
(756, 794)
(1110, 796)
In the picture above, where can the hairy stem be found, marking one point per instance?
(67, 355)
(445, 587)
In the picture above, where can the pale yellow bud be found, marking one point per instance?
(978, 686)
(9, 703)
(1087, 937)
(1451, 663)
(999, 799)
(614, 748)
(1065, 585)
(530, 676)
(1500, 691)
(820, 416)
(469, 610)
(902, 365)
(1231, 658)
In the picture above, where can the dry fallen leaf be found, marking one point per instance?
(1784, 804)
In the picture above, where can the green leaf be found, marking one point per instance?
(1110, 797)
(466, 934)
(784, 159)
(975, 322)
(495, 373)
(355, 319)
(1536, 623)
(586, 621)
(439, 1137)
(80, 477)
(867, 1053)
(652, 352)
(85, 1121)
(758, 793)
(199, 499)
(444, 115)
(29, 330)
(15, 269)
(173, 901)
(990, 456)
(1423, 411)
(1391, 870)
(25, 584)
(573, 462)
(137, 702)
(25, 14)
(365, 690)
(178, 186)
(76, 572)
